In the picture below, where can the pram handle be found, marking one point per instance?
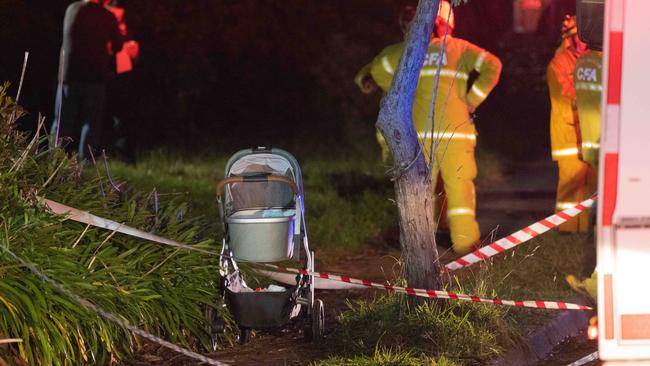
(256, 179)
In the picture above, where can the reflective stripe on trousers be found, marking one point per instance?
(572, 151)
(564, 205)
(460, 211)
(447, 135)
(590, 145)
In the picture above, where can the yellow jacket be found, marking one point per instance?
(588, 84)
(453, 100)
(565, 130)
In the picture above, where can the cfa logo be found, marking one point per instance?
(432, 59)
(586, 74)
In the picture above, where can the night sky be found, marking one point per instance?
(225, 74)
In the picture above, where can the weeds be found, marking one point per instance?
(387, 357)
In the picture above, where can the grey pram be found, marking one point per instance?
(261, 203)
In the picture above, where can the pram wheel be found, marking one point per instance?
(244, 335)
(318, 320)
(214, 325)
(316, 325)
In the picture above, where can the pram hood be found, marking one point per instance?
(256, 162)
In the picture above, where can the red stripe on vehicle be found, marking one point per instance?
(610, 186)
(615, 66)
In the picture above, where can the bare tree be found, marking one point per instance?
(413, 186)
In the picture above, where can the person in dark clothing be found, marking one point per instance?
(90, 37)
(119, 132)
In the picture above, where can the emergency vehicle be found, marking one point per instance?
(622, 29)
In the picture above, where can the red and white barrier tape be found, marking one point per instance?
(88, 218)
(432, 294)
(520, 236)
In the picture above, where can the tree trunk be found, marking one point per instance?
(413, 186)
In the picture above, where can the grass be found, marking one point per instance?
(348, 203)
(159, 289)
(387, 357)
(458, 331)
(469, 333)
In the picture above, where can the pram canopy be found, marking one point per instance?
(251, 163)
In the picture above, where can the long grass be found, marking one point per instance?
(388, 357)
(160, 289)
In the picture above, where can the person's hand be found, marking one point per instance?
(132, 48)
(368, 86)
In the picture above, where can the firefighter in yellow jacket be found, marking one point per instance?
(565, 128)
(453, 134)
(588, 84)
(587, 78)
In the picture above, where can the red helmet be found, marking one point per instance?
(444, 11)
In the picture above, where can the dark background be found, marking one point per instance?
(225, 74)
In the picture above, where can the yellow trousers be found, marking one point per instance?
(455, 163)
(576, 182)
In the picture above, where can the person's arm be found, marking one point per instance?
(364, 80)
(488, 67)
(563, 69)
(382, 68)
(116, 38)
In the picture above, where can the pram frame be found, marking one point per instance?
(305, 298)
